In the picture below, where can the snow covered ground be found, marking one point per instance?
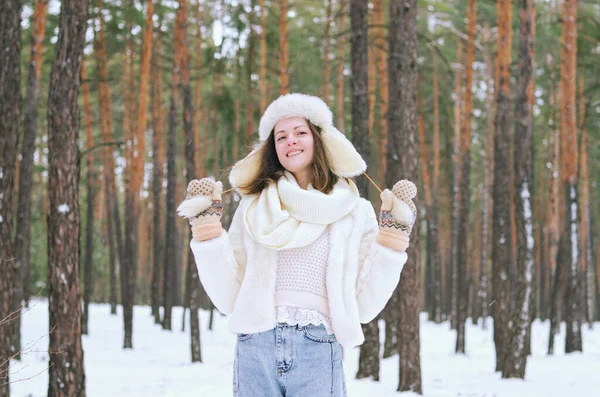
(160, 364)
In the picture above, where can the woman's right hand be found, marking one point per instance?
(207, 223)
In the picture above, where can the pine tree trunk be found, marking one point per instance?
(91, 197)
(284, 77)
(382, 72)
(10, 119)
(368, 366)
(134, 172)
(501, 254)
(573, 297)
(198, 102)
(158, 162)
(263, 56)
(516, 356)
(66, 374)
(489, 175)
(250, 109)
(190, 168)
(464, 186)
(23, 225)
(585, 241)
(427, 189)
(106, 132)
(403, 160)
(341, 55)
(171, 239)
(434, 245)
(326, 49)
(456, 170)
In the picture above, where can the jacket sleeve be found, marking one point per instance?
(221, 264)
(379, 270)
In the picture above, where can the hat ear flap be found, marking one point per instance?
(245, 170)
(344, 159)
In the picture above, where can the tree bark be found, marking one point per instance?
(284, 76)
(106, 132)
(158, 163)
(170, 236)
(368, 366)
(250, 107)
(341, 55)
(263, 56)
(403, 160)
(190, 168)
(30, 115)
(489, 180)
(326, 49)
(501, 254)
(516, 357)
(568, 81)
(66, 373)
(464, 185)
(10, 118)
(91, 197)
(456, 170)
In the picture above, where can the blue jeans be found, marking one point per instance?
(288, 361)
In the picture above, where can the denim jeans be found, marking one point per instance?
(288, 361)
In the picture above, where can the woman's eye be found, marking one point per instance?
(280, 138)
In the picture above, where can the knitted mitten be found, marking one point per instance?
(398, 214)
(203, 208)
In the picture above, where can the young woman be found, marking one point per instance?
(305, 261)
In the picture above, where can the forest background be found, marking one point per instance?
(182, 100)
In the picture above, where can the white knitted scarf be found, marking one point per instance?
(286, 216)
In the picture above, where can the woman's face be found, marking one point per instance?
(294, 145)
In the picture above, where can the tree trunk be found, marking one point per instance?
(569, 166)
(190, 168)
(456, 170)
(382, 72)
(134, 172)
(326, 49)
(249, 70)
(91, 197)
(516, 357)
(170, 236)
(158, 163)
(403, 160)
(368, 366)
(106, 132)
(464, 185)
(341, 55)
(66, 374)
(585, 241)
(198, 102)
(426, 183)
(284, 76)
(10, 119)
(263, 56)
(489, 175)
(30, 115)
(501, 255)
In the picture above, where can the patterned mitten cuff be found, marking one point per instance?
(206, 231)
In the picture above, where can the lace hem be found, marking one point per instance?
(297, 316)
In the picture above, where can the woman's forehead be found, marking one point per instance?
(289, 123)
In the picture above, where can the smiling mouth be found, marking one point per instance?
(290, 154)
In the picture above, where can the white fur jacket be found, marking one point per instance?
(239, 275)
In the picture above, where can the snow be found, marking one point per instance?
(63, 208)
(159, 364)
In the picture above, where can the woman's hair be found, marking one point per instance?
(323, 178)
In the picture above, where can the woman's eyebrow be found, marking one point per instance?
(298, 126)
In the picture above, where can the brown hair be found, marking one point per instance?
(271, 170)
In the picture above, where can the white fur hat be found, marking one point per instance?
(344, 159)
